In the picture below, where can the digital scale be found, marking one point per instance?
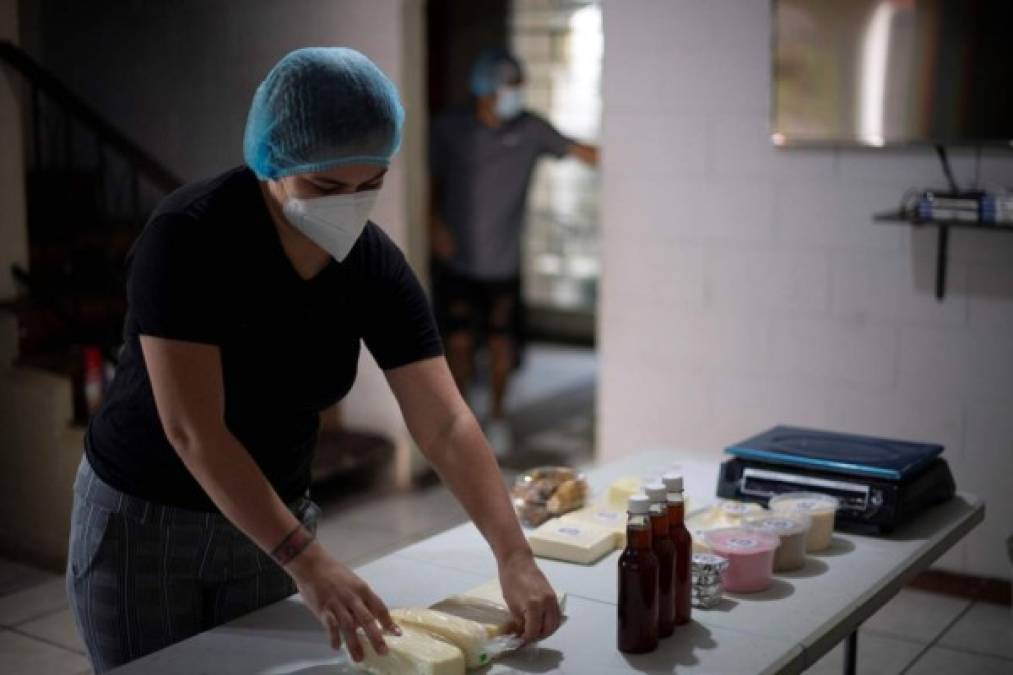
(881, 483)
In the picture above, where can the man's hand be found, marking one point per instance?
(529, 596)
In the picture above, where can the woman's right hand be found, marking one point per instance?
(341, 601)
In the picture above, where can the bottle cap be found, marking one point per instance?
(639, 504)
(673, 481)
(656, 492)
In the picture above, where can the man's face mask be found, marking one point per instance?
(509, 102)
(334, 222)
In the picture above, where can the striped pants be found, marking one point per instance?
(141, 576)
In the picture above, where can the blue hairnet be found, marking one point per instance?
(322, 107)
(493, 68)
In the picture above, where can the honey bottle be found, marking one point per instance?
(683, 546)
(664, 549)
(638, 582)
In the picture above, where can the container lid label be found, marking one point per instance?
(741, 542)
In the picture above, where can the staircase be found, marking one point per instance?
(89, 190)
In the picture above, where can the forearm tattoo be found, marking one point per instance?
(292, 545)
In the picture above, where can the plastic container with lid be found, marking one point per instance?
(819, 507)
(750, 555)
(732, 512)
(791, 528)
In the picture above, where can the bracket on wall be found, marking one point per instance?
(943, 243)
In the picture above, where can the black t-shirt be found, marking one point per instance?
(209, 267)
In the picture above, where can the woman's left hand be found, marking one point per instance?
(529, 597)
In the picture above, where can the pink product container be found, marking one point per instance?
(750, 555)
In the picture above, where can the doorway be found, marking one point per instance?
(550, 399)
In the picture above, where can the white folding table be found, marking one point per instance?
(782, 630)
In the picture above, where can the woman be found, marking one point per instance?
(248, 296)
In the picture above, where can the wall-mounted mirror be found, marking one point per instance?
(884, 72)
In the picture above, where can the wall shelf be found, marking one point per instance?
(911, 219)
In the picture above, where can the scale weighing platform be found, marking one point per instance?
(880, 482)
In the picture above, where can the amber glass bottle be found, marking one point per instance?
(664, 549)
(683, 547)
(638, 582)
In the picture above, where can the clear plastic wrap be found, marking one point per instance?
(471, 637)
(414, 652)
(493, 616)
(547, 491)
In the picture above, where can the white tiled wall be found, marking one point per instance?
(746, 285)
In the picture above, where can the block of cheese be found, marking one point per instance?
(414, 652)
(492, 592)
(604, 517)
(469, 636)
(620, 491)
(570, 541)
(485, 605)
(494, 617)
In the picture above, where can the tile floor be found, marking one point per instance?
(917, 632)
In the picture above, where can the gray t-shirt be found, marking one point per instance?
(482, 177)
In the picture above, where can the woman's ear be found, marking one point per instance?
(278, 189)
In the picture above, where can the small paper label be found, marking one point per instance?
(741, 543)
(569, 531)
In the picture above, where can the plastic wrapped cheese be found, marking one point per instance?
(494, 617)
(620, 491)
(604, 517)
(414, 652)
(570, 541)
(469, 636)
(492, 592)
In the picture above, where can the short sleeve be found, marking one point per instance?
(550, 141)
(172, 283)
(399, 327)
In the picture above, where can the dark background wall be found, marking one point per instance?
(458, 31)
(178, 77)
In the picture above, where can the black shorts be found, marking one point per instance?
(478, 307)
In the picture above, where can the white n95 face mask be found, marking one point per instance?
(509, 102)
(334, 222)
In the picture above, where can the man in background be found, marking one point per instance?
(481, 160)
